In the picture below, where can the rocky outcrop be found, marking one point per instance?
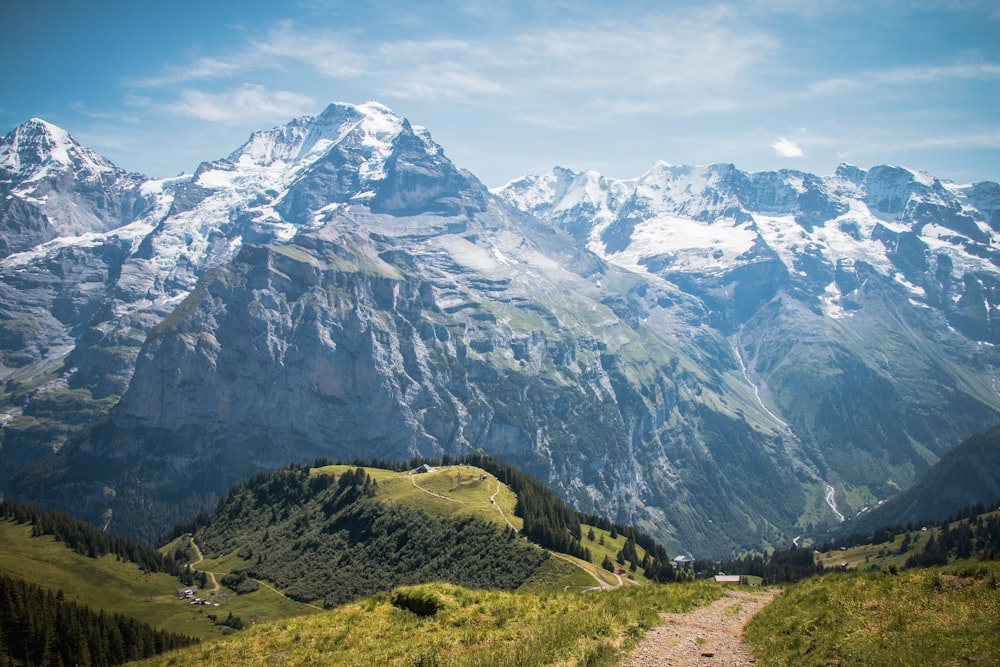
(51, 186)
(698, 351)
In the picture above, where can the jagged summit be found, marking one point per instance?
(53, 187)
(35, 145)
(678, 219)
(371, 127)
(705, 351)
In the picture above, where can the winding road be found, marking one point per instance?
(215, 584)
(200, 558)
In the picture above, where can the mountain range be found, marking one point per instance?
(724, 359)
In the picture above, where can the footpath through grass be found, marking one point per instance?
(937, 616)
(442, 624)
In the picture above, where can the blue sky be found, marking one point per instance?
(509, 88)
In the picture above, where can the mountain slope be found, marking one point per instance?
(966, 475)
(51, 186)
(329, 540)
(701, 352)
(861, 306)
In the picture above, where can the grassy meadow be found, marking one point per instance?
(457, 626)
(451, 491)
(936, 616)
(112, 585)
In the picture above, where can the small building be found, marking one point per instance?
(185, 593)
(683, 563)
(728, 579)
(424, 468)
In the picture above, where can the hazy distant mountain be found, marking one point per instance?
(966, 475)
(701, 352)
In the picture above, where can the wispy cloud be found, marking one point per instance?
(670, 64)
(329, 53)
(872, 81)
(201, 69)
(249, 102)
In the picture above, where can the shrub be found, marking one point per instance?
(420, 601)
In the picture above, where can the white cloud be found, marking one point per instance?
(682, 63)
(249, 102)
(331, 54)
(201, 69)
(787, 148)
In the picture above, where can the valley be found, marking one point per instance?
(699, 351)
(464, 333)
(556, 615)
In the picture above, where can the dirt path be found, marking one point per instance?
(215, 584)
(272, 588)
(709, 635)
(210, 575)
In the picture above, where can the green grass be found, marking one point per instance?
(938, 616)
(116, 586)
(558, 576)
(610, 548)
(424, 492)
(468, 628)
(438, 493)
(878, 556)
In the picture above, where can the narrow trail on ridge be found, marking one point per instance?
(710, 635)
(592, 571)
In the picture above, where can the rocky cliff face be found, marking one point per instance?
(836, 293)
(697, 351)
(51, 186)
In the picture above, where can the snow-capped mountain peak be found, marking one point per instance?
(54, 187)
(33, 147)
(679, 220)
(338, 287)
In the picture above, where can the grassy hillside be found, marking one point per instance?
(975, 534)
(458, 490)
(116, 586)
(326, 539)
(441, 624)
(935, 616)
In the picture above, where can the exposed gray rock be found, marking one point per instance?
(698, 351)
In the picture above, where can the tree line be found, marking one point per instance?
(327, 539)
(547, 519)
(86, 539)
(972, 531)
(39, 627)
(979, 536)
(781, 566)
(887, 533)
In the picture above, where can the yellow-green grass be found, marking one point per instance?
(439, 493)
(936, 616)
(264, 604)
(559, 575)
(610, 548)
(469, 628)
(121, 587)
(100, 583)
(877, 556)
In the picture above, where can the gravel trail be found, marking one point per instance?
(710, 635)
